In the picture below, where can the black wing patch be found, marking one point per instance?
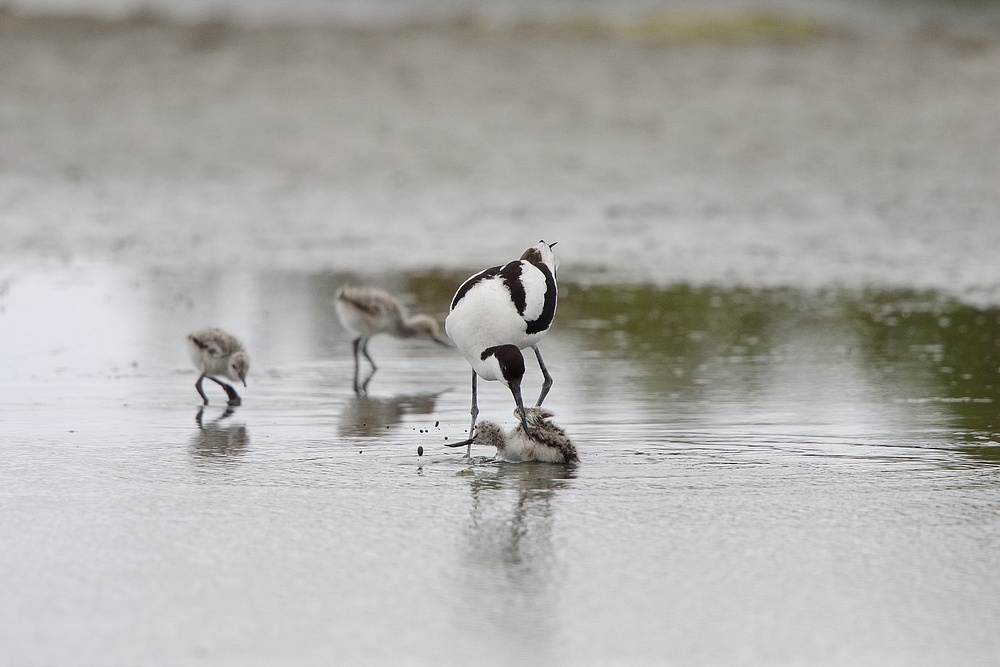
(472, 282)
(511, 274)
(544, 320)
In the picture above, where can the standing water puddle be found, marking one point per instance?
(766, 476)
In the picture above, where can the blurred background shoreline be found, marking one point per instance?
(650, 18)
(748, 144)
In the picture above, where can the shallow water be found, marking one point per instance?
(767, 477)
(776, 346)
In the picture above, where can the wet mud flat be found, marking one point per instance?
(799, 158)
(775, 347)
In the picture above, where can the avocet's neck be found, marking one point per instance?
(414, 326)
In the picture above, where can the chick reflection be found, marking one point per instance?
(217, 438)
(368, 416)
(512, 554)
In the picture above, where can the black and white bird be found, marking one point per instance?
(499, 312)
(546, 442)
(368, 311)
(218, 353)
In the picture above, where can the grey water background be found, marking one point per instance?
(776, 344)
(767, 477)
(878, 15)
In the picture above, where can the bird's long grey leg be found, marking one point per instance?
(546, 378)
(201, 392)
(234, 398)
(362, 390)
(357, 371)
(364, 350)
(475, 414)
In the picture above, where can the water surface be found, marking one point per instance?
(776, 345)
(767, 477)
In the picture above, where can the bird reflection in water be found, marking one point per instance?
(218, 438)
(511, 543)
(370, 416)
(512, 508)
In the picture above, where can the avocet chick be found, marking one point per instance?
(368, 311)
(217, 353)
(544, 441)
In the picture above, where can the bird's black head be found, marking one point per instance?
(512, 369)
(511, 362)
